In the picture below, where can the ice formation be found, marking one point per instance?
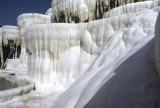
(75, 11)
(79, 43)
(77, 60)
(122, 42)
(26, 20)
(132, 8)
(10, 35)
(49, 13)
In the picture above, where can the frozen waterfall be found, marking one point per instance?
(106, 59)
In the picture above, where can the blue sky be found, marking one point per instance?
(11, 9)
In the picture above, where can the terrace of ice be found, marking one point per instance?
(85, 53)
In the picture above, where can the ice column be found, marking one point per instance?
(10, 42)
(26, 20)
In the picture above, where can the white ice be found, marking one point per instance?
(70, 63)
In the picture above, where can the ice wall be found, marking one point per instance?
(157, 44)
(125, 42)
(68, 50)
(75, 11)
(26, 20)
(60, 53)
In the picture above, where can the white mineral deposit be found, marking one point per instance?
(83, 53)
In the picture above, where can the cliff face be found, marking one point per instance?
(75, 11)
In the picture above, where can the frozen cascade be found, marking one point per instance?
(76, 60)
(68, 54)
(10, 38)
(82, 45)
(10, 33)
(26, 20)
(75, 11)
(132, 8)
(137, 32)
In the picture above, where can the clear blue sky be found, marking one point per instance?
(11, 9)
